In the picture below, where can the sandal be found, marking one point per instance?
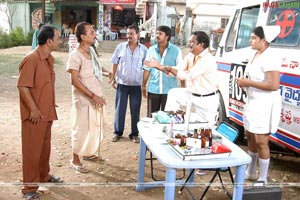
(93, 158)
(78, 168)
(31, 196)
(116, 138)
(90, 158)
(55, 179)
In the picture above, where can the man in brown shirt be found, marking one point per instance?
(37, 106)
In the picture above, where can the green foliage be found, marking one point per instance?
(29, 38)
(15, 38)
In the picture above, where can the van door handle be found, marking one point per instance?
(245, 61)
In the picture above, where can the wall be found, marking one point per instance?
(167, 16)
(21, 18)
(206, 24)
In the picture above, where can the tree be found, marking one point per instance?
(9, 10)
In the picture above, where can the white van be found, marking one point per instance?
(233, 53)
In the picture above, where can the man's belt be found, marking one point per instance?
(205, 95)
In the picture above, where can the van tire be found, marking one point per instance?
(241, 139)
(222, 117)
(221, 111)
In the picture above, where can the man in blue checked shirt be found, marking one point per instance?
(160, 83)
(127, 76)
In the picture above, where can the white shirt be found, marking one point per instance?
(106, 29)
(143, 34)
(201, 77)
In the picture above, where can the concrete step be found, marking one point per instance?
(108, 46)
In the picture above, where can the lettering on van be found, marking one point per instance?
(288, 117)
(284, 5)
(291, 64)
(290, 95)
(237, 95)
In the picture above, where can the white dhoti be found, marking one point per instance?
(87, 125)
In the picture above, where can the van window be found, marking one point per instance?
(247, 24)
(288, 19)
(241, 27)
(232, 32)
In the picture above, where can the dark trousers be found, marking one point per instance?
(36, 146)
(135, 98)
(156, 102)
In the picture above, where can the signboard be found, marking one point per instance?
(117, 2)
(73, 44)
(100, 23)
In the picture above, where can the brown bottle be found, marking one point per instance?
(183, 141)
(209, 137)
(203, 138)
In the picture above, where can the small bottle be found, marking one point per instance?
(209, 137)
(195, 133)
(183, 141)
(203, 138)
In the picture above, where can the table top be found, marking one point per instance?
(151, 133)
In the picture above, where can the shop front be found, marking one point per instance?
(118, 15)
(65, 14)
(71, 15)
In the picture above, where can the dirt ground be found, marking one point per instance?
(114, 178)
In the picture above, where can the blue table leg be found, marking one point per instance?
(239, 182)
(170, 184)
(191, 180)
(141, 170)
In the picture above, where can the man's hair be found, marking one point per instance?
(46, 32)
(202, 37)
(166, 30)
(80, 29)
(40, 25)
(135, 27)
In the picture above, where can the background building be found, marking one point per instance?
(184, 16)
(117, 14)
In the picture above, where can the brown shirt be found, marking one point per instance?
(37, 74)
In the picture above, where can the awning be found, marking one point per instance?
(72, 1)
(213, 10)
(180, 8)
(131, 2)
(139, 8)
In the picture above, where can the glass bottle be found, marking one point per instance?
(195, 133)
(203, 138)
(210, 137)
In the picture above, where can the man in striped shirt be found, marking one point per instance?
(127, 60)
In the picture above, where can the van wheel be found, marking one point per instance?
(241, 140)
(222, 117)
(221, 111)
